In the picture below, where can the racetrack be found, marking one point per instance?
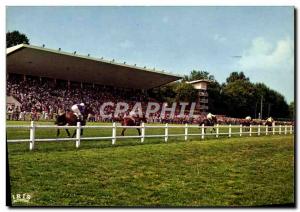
(215, 172)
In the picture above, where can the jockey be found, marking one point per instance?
(78, 110)
(132, 115)
(270, 119)
(248, 118)
(210, 116)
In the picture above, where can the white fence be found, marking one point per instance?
(260, 130)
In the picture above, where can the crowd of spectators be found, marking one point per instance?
(43, 99)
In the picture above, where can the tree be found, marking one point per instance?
(14, 38)
(236, 76)
(197, 75)
(185, 92)
(291, 110)
(273, 103)
(164, 93)
(216, 101)
(239, 97)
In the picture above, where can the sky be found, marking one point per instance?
(174, 39)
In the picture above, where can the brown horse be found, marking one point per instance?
(269, 124)
(209, 122)
(246, 123)
(126, 121)
(70, 119)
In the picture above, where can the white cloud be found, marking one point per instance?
(265, 56)
(219, 38)
(270, 63)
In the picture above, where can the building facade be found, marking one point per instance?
(202, 99)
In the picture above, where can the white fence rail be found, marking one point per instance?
(286, 129)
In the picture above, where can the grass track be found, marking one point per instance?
(216, 172)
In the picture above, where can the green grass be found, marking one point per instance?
(215, 172)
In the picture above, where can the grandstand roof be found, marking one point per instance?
(44, 62)
(197, 81)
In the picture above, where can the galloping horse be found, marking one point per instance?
(246, 123)
(269, 122)
(209, 122)
(70, 119)
(127, 121)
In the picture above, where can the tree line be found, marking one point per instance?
(237, 97)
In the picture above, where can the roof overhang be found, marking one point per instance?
(198, 81)
(39, 61)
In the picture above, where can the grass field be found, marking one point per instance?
(215, 172)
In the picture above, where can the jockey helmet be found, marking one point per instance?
(81, 104)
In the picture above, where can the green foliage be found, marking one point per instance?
(234, 76)
(14, 38)
(185, 92)
(292, 110)
(165, 93)
(239, 97)
(174, 92)
(197, 75)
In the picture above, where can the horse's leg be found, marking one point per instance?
(68, 132)
(139, 131)
(57, 132)
(81, 132)
(123, 131)
(73, 136)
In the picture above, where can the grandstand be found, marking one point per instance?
(56, 64)
(47, 81)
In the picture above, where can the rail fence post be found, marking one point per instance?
(217, 134)
(258, 130)
(241, 130)
(250, 130)
(291, 129)
(280, 129)
(202, 131)
(186, 131)
(32, 135)
(78, 130)
(229, 133)
(285, 129)
(143, 132)
(267, 129)
(273, 129)
(114, 133)
(166, 132)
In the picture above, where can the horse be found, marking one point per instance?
(269, 124)
(127, 121)
(209, 122)
(246, 123)
(70, 119)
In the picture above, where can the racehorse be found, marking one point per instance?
(246, 123)
(209, 122)
(70, 119)
(269, 124)
(127, 121)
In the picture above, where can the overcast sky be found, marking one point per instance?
(175, 39)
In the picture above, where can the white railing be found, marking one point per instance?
(259, 131)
